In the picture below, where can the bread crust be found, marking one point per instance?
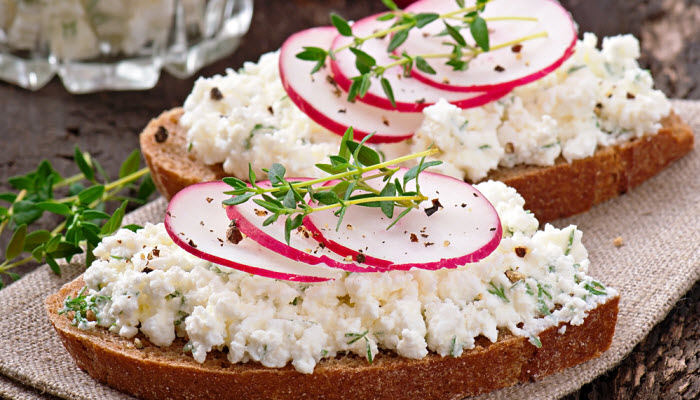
(552, 192)
(157, 373)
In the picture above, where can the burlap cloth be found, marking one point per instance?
(659, 262)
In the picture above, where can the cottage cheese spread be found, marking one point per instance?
(534, 280)
(596, 98)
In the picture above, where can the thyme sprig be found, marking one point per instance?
(346, 185)
(82, 212)
(464, 18)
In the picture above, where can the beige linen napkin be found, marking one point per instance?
(658, 221)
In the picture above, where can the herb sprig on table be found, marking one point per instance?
(82, 210)
(349, 171)
(462, 53)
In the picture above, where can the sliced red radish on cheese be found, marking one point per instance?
(197, 222)
(302, 246)
(319, 97)
(506, 67)
(456, 227)
(410, 94)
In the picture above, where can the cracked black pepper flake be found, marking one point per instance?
(521, 251)
(209, 199)
(475, 195)
(342, 110)
(420, 101)
(161, 134)
(385, 121)
(464, 205)
(424, 235)
(426, 244)
(270, 110)
(499, 68)
(216, 94)
(233, 234)
(492, 229)
(414, 238)
(191, 243)
(435, 207)
(147, 270)
(156, 252)
(630, 96)
(360, 258)
(516, 48)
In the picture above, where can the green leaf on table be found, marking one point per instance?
(83, 165)
(16, 245)
(8, 197)
(56, 208)
(146, 188)
(131, 164)
(66, 251)
(35, 239)
(87, 196)
(115, 221)
(25, 212)
(89, 215)
(53, 265)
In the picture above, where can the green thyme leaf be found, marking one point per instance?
(365, 155)
(115, 221)
(91, 194)
(454, 33)
(423, 19)
(398, 39)
(390, 5)
(388, 206)
(386, 17)
(238, 199)
(388, 91)
(570, 243)
(363, 61)
(423, 65)
(276, 174)
(341, 25)
(56, 208)
(16, 245)
(480, 32)
(83, 165)
(498, 291)
(131, 164)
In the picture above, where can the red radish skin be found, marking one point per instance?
(197, 222)
(536, 58)
(328, 105)
(464, 209)
(410, 94)
(301, 248)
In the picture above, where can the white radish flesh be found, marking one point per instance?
(318, 97)
(302, 247)
(465, 229)
(197, 222)
(506, 67)
(410, 94)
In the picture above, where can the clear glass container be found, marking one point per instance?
(115, 44)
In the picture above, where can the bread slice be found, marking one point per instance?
(152, 372)
(552, 192)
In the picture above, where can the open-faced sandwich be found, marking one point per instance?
(566, 124)
(293, 290)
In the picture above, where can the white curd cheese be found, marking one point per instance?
(534, 280)
(596, 98)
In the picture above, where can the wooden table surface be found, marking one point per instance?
(47, 124)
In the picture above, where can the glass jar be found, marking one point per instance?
(115, 44)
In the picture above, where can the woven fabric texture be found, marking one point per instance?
(659, 262)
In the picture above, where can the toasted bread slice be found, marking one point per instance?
(152, 372)
(552, 192)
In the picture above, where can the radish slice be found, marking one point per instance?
(197, 222)
(324, 103)
(465, 229)
(302, 246)
(410, 94)
(503, 68)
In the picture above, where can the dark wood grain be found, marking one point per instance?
(50, 122)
